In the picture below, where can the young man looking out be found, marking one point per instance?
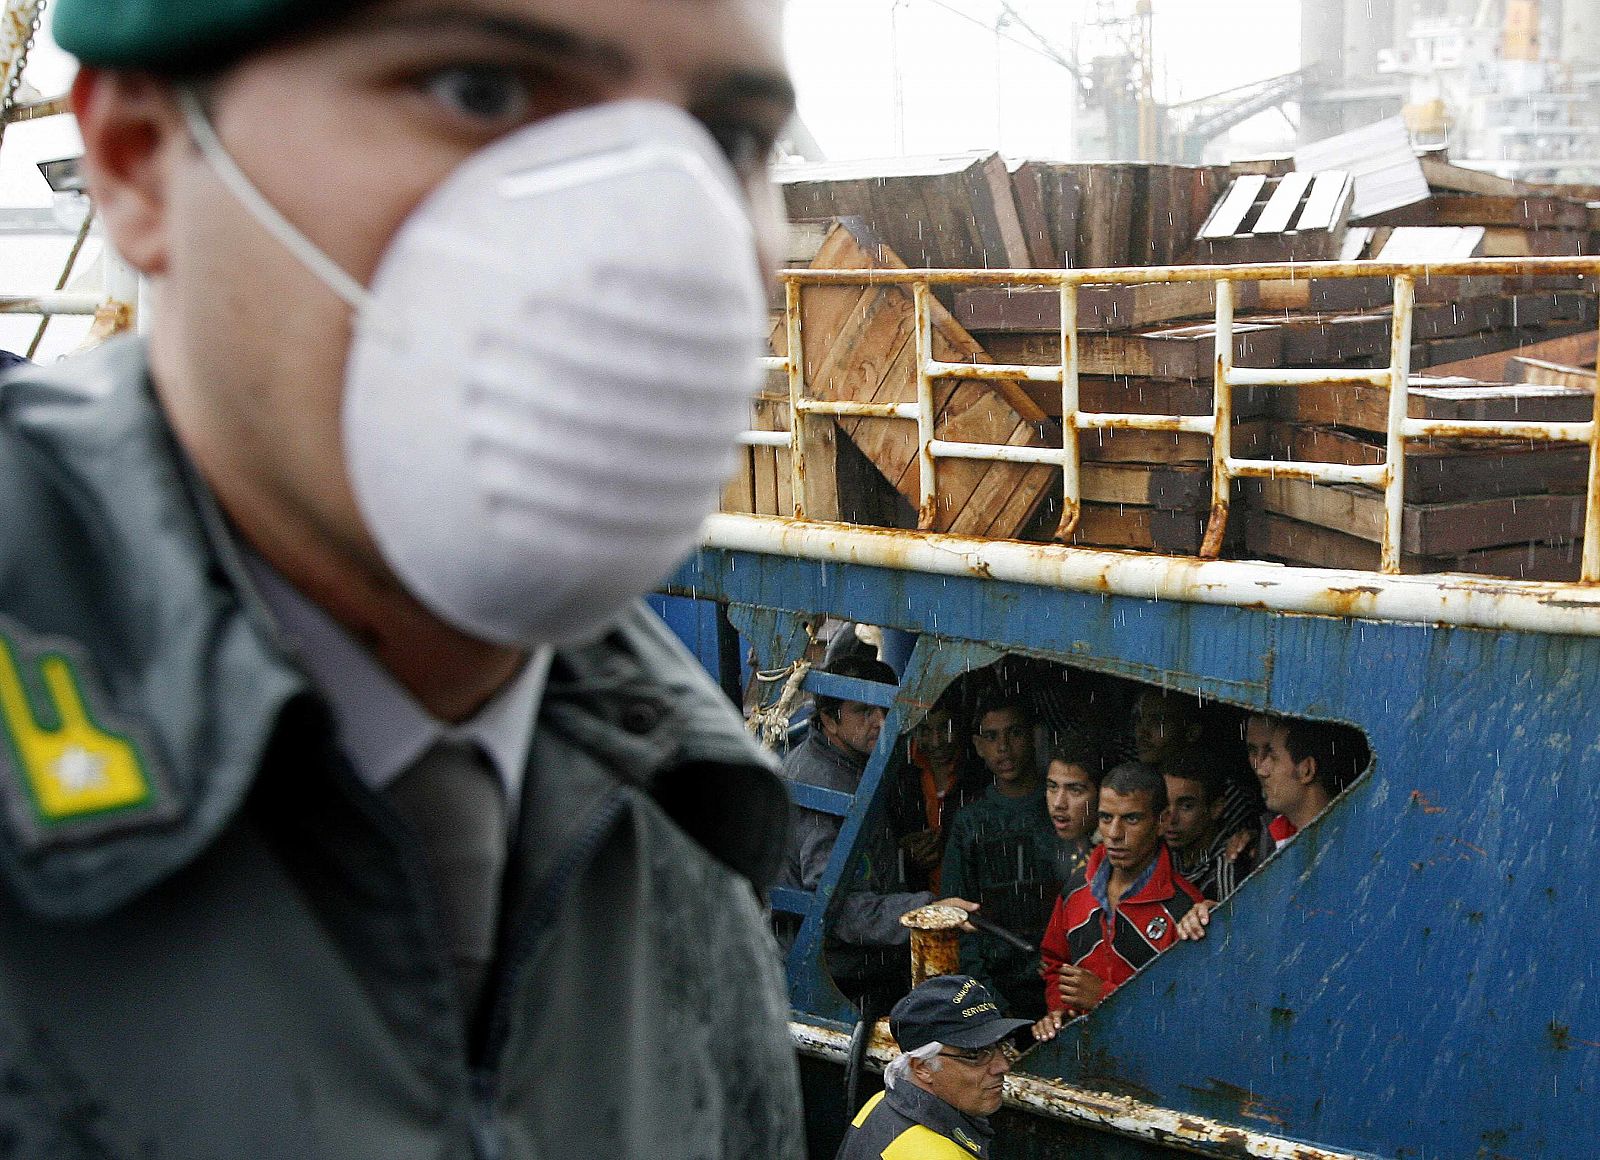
(1201, 851)
(1301, 768)
(1127, 912)
(1071, 794)
(1001, 854)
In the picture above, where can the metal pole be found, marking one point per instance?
(1071, 480)
(61, 282)
(797, 390)
(1394, 492)
(1589, 572)
(928, 512)
(1221, 425)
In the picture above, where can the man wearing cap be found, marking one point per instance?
(950, 1077)
(345, 787)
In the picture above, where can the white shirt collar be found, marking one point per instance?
(381, 727)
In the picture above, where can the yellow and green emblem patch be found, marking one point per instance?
(73, 772)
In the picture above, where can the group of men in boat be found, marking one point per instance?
(1092, 836)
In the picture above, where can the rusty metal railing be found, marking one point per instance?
(1388, 476)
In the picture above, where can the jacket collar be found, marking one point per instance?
(1154, 884)
(115, 557)
(972, 1132)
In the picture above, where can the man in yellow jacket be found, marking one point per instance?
(939, 1094)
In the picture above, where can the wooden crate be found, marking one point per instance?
(1438, 529)
(1367, 408)
(952, 212)
(859, 346)
(1440, 471)
(1171, 353)
(1271, 536)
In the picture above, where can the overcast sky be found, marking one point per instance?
(962, 86)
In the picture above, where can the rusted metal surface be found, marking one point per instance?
(1221, 426)
(1442, 599)
(17, 26)
(1256, 271)
(1394, 495)
(795, 368)
(935, 941)
(34, 110)
(1071, 479)
(1590, 564)
(1112, 1113)
(927, 465)
(60, 302)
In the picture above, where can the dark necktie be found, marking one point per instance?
(454, 800)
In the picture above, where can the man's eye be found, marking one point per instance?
(481, 92)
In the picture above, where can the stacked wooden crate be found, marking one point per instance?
(859, 344)
(1142, 350)
(1482, 347)
(1492, 507)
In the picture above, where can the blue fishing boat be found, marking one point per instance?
(1410, 976)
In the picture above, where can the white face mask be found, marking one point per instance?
(549, 368)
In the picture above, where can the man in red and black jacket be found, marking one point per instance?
(1127, 912)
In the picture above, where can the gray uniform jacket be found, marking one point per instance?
(215, 941)
(869, 917)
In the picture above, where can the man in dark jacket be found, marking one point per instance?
(322, 831)
(866, 948)
(938, 1095)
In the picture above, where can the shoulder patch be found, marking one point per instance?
(69, 770)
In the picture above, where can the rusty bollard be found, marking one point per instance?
(935, 949)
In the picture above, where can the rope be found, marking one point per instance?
(770, 725)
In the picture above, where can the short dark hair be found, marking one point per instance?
(1197, 764)
(1076, 749)
(1339, 754)
(998, 700)
(859, 667)
(1190, 705)
(1136, 777)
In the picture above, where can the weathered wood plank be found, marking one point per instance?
(1275, 537)
(1037, 308)
(1177, 353)
(1443, 529)
(1542, 373)
(1439, 472)
(1575, 349)
(1367, 408)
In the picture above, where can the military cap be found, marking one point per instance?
(175, 35)
(955, 1010)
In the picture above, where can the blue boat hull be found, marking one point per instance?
(1409, 978)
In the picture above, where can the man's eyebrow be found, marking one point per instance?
(548, 39)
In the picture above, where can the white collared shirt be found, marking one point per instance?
(381, 727)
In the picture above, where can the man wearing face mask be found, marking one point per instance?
(352, 806)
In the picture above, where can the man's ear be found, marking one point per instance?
(131, 128)
(1214, 810)
(922, 1069)
(1305, 771)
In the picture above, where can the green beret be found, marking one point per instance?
(174, 35)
